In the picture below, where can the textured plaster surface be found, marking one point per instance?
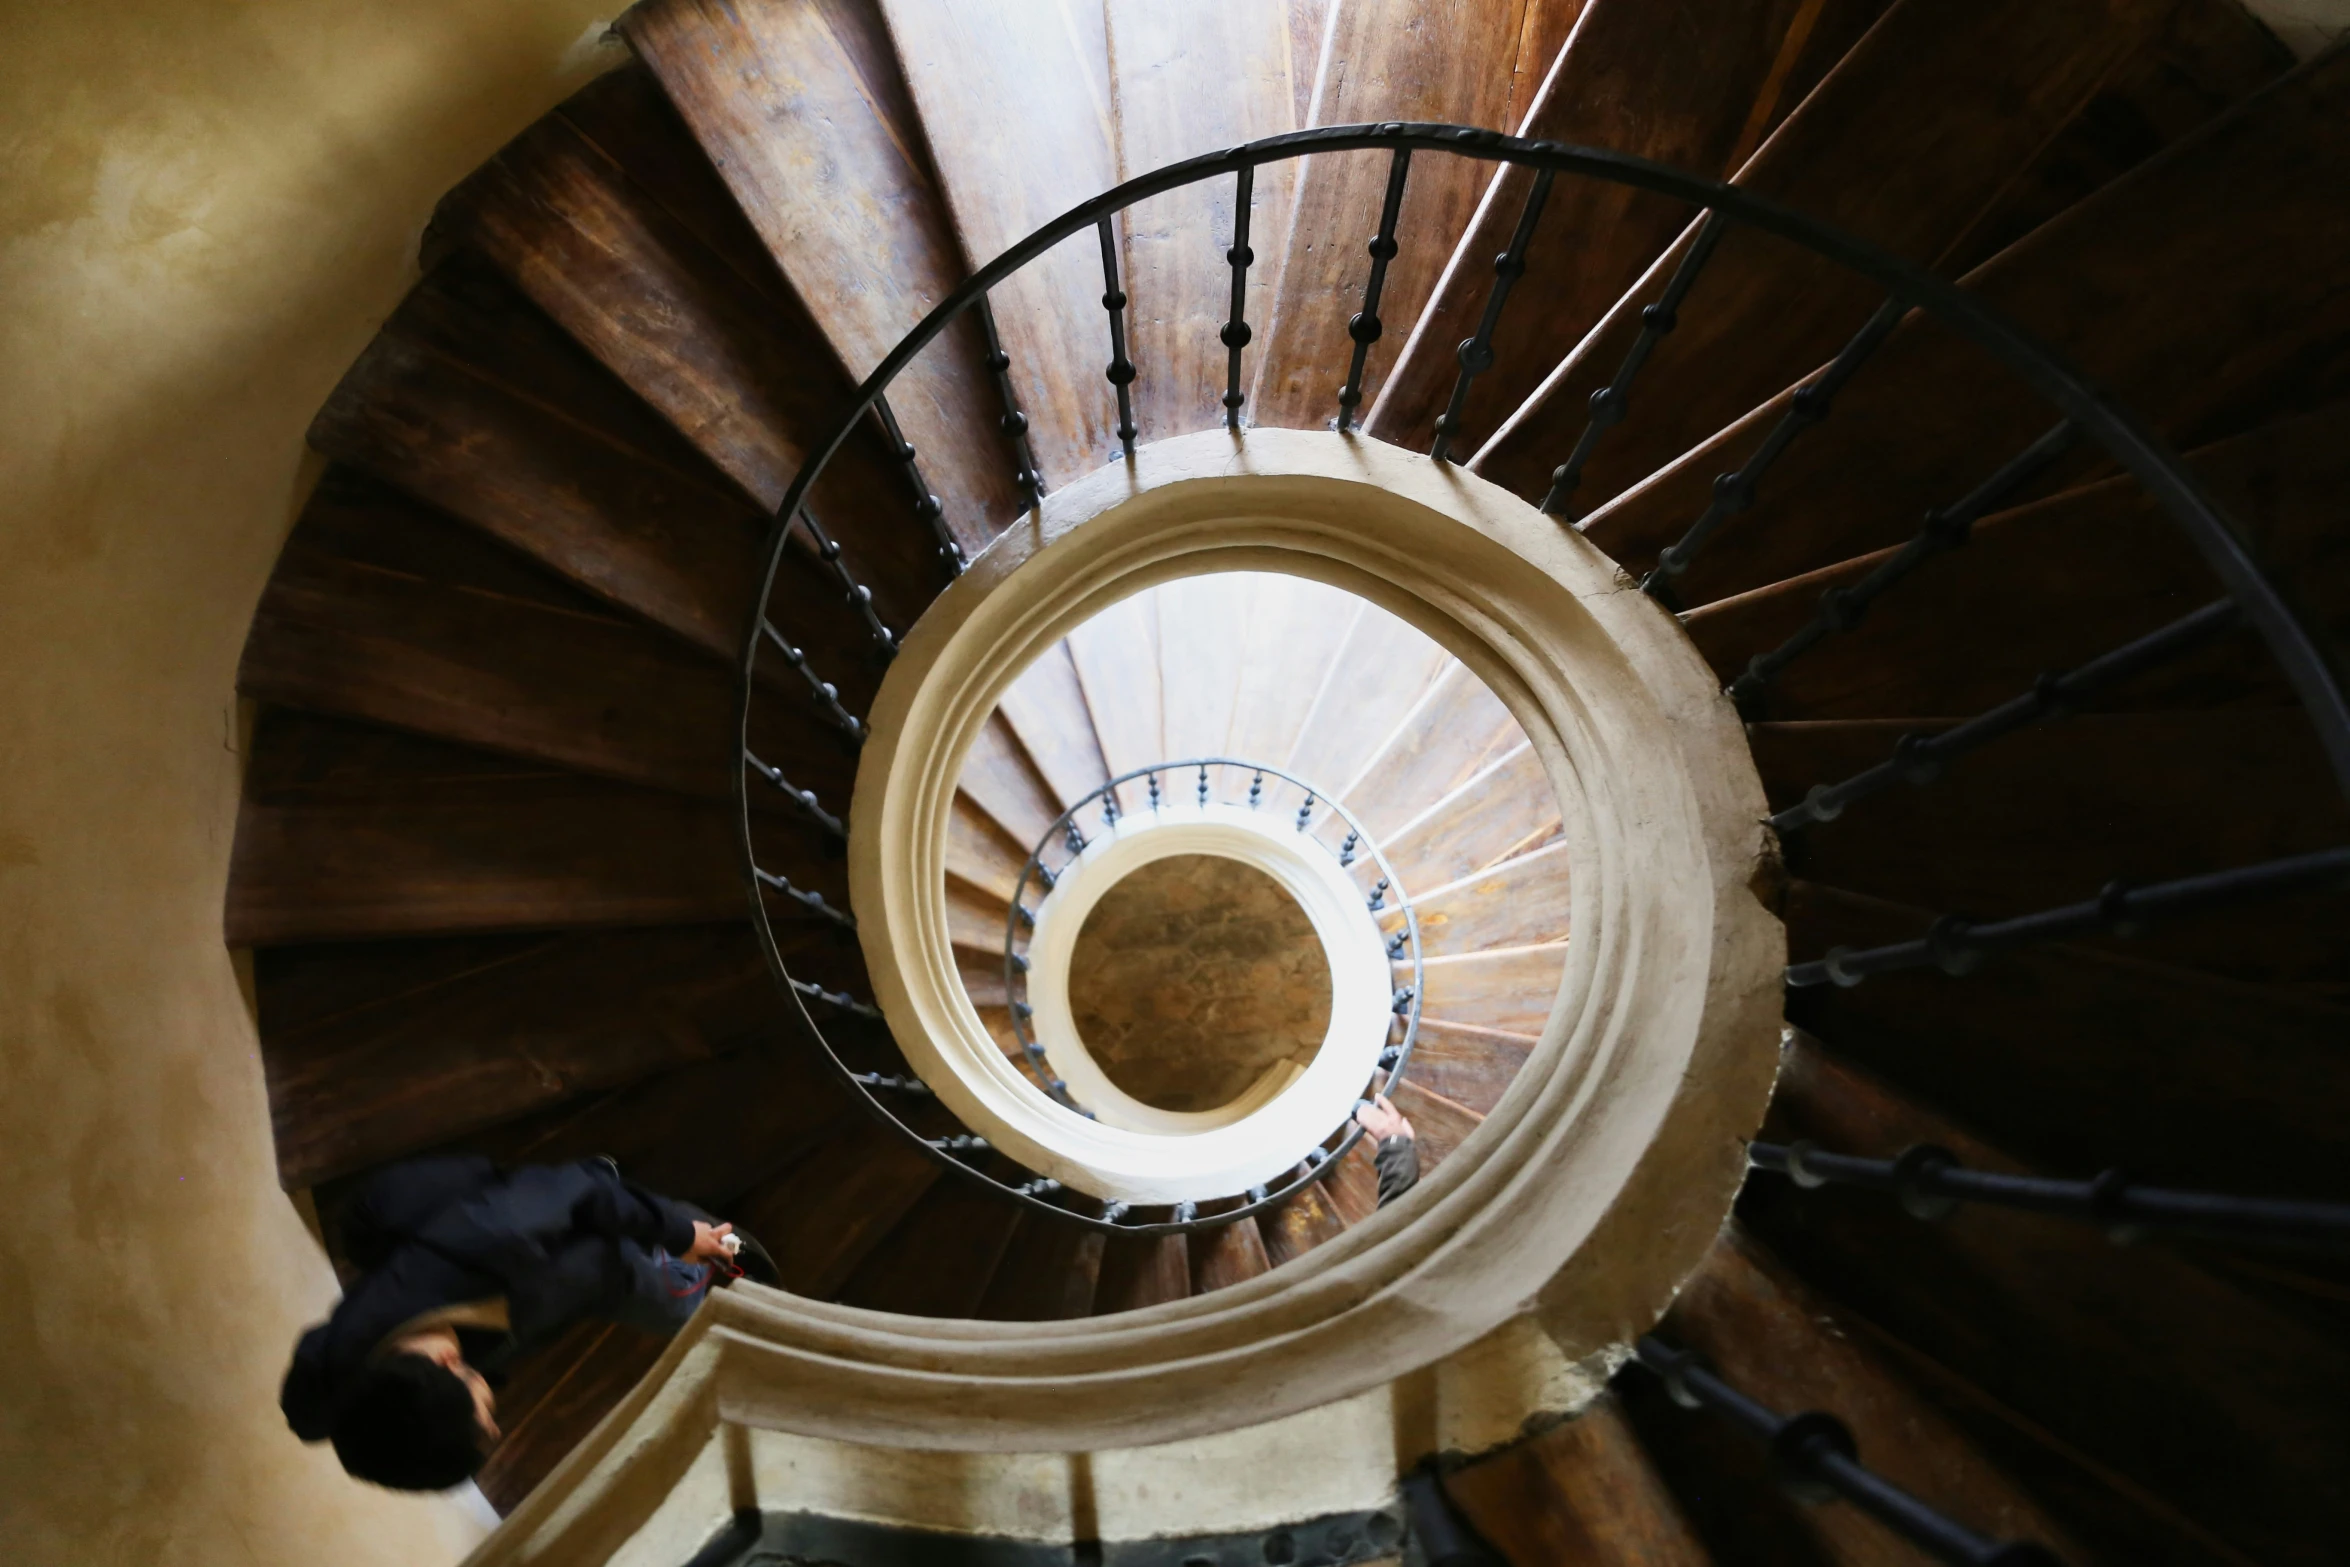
(206, 211)
(1195, 976)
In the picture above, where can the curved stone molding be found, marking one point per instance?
(1133, 1150)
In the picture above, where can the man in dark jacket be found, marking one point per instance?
(1395, 1148)
(466, 1268)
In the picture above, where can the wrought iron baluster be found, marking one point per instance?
(1203, 787)
(1611, 402)
(807, 899)
(805, 799)
(961, 1142)
(1945, 529)
(1236, 334)
(1305, 812)
(858, 596)
(1957, 944)
(1930, 1183)
(927, 506)
(1120, 373)
(842, 1001)
(1154, 794)
(1364, 326)
(1920, 759)
(914, 1087)
(1734, 492)
(1014, 423)
(1256, 789)
(1814, 1455)
(825, 691)
(1476, 353)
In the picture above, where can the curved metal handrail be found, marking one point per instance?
(1405, 1004)
(2085, 411)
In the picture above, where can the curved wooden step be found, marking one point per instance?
(1584, 1491)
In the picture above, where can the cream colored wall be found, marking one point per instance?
(205, 210)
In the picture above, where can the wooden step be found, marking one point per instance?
(803, 113)
(1298, 1224)
(1480, 824)
(967, 65)
(939, 1259)
(1296, 628)
(1389, 60)
(1230, 1254)
(1187, 80)
(2250, 330)
(1458, 728)
(405, 1061)
(1904, 144)
(1047, 1273)
(822, 1218)
(999, 778)
(1380, 673)
(1509, 989)
(983, 854)
(1522, 902)
(1439, 1125)
(555, 1398)
(1139, 1271)
(1956, 639)
(1472, 1067)
(2048, 815)
(976, 919)
(1203, 643)
(1046, 710)
(1116, 655)
(1778, 1342)
(1697, 86)
(2084, 1059)
(2042, 1315)
(728, 357)
(1352, 1186)
(1584, 1491)
(347, 833)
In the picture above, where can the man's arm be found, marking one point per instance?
(1397, 1153)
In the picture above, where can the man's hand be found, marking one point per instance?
(1383, 1120)
(709, 1243)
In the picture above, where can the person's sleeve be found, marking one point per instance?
(1398, 1159)
(626, 1211)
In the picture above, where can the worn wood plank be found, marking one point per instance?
(1506, 808)
(738, 368)
(1510, 989)
(2254, 327)
(1185, 80)
(1439, 1125)
(2045, 1316)
(1458, 727)
(1001, 781)
(595, 1370)
(1047, 1274)
(975, 919)
(964, 64)
(1046, 709)
(1138, 1271)
(1524, 902)
(1352, 1187)
(1903, 144)
(1472, 1067)
(451, 842)
(1295, 629)
(2051, 814)
(1581, 1492)
(1378, 677)
(2084, 1059)
(827, 1214)
(1203, 633)
(1442, 60)
(1228, 1255)
(803, 111)
(939, 1259)
(1692, 83)
(1298, 1224)
(1117, 659)
(556, 1020)
(980, 852)
(1777, 1341)
(1957, 639)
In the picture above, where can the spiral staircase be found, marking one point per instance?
(514, 758)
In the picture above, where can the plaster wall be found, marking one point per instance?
(205, 211)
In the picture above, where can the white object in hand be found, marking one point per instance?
(732, 1243)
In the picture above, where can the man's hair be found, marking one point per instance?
(409, 1425)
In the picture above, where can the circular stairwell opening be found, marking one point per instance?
(1196, 977)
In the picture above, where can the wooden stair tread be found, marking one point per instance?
(822, 1218)
(1389, 60)
(1439, 1125)
(1000, 780)
(1227, 1255)
(1379, 674)
(1954, 639)
(1296, 628)
(804, 114)
(981, 853)
(1510, 989)
(940, 1258)
(1695, 85)
(1472, 1067)
(1046, 709)
(588, 1372)
(2043, 1315)
(1582, 1491)
(1458, 727)
(1297, 1225)
(1139, 1271)
(1185, 80)
(1479, 824)
(1047, 1274)
(1903, 144)
(2090, 1059)
(1523, 902)
(1203, 633)
(2252, 328)
(963, 65)
(561, 1018)
(1116, 657)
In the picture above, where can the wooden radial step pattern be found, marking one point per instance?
(485, 864)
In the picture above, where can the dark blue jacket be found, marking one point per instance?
(443, 1231)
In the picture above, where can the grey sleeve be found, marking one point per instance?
(1398, 1159)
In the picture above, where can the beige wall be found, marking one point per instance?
(205, 209)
